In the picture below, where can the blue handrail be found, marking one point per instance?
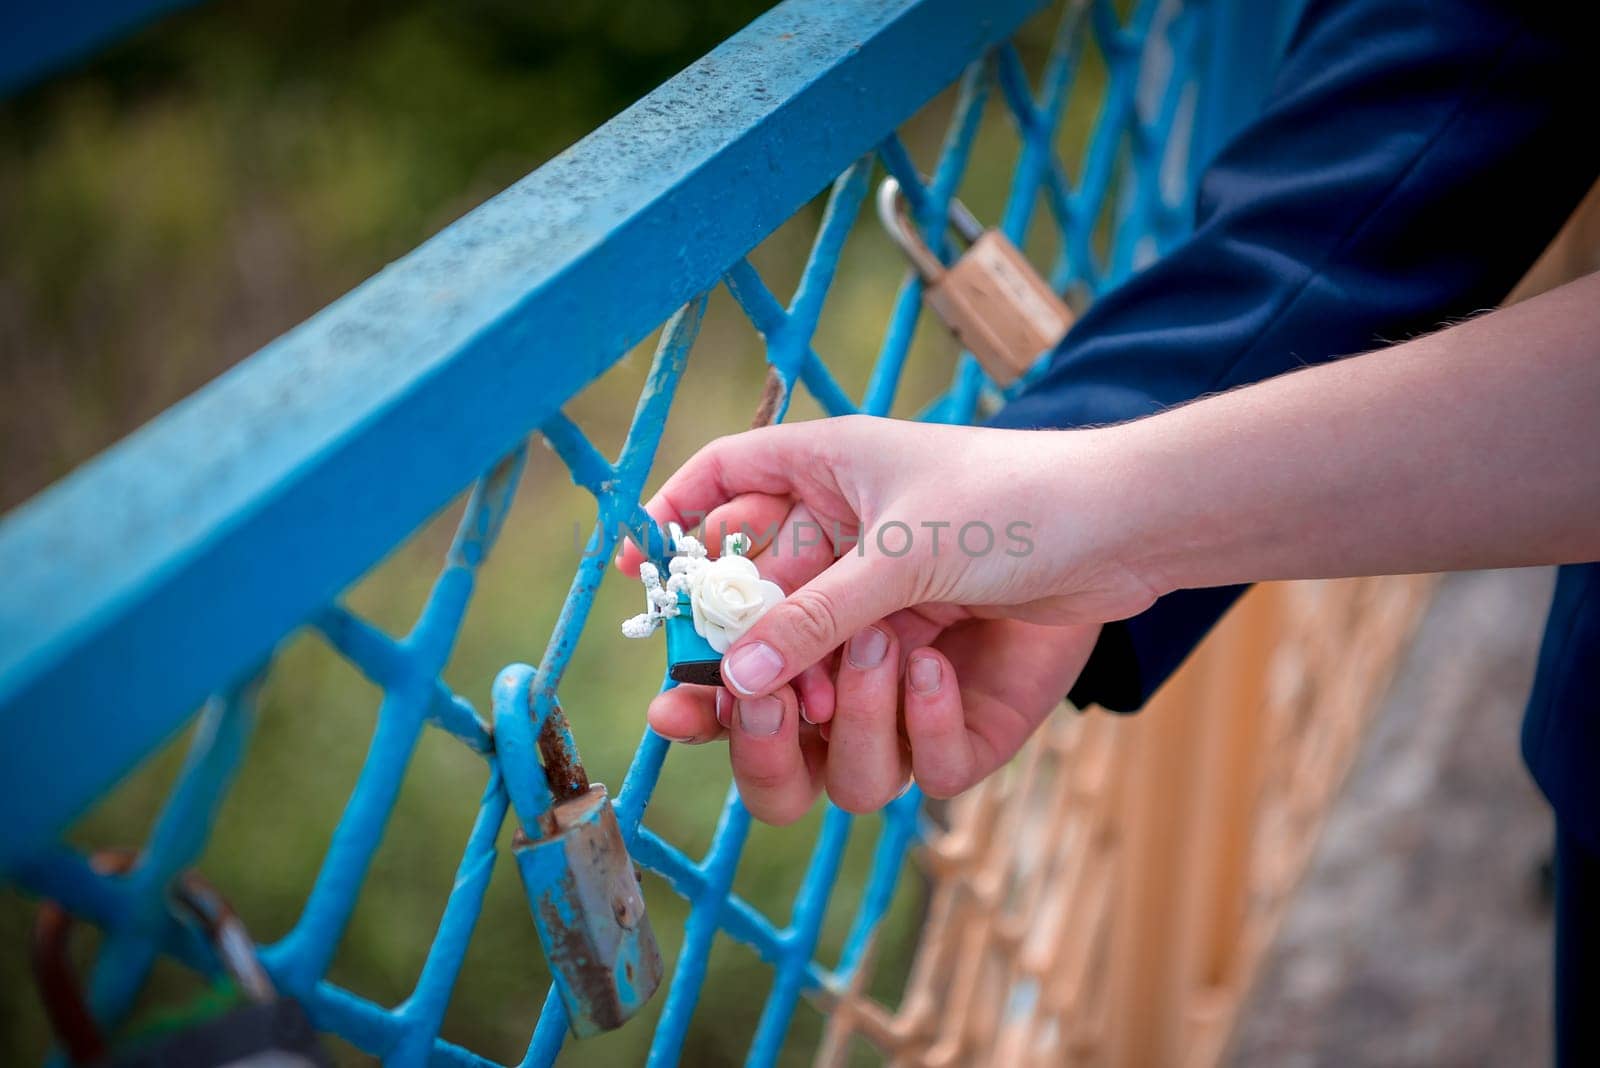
(167, 569)
(174, 562)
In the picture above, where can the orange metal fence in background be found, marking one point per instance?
(1107, 898)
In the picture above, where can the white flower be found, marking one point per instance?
(639, 626)
(728, 595)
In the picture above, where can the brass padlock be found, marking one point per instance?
(991, 299)
(581, 884)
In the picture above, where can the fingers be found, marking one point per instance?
(816, 691)
(776, 781)
(799, 551)
(686, 714)
(866, 761)
(816, 619)
(759, 461)
(946, 757)
(756, 514)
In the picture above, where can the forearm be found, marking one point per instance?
(1478, 446)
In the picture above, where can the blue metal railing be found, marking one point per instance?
(170, 567)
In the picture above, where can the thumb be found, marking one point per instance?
(815, 620)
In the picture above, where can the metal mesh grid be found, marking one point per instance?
(1134, 177)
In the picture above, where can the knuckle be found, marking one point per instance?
(812, 617)
(763, 778)
(854, 423)
(942, 786)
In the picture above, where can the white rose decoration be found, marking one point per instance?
(728, 595)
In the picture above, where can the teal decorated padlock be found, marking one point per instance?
(706, 605)
(690, 657)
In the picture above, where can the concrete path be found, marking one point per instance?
(1420, 936)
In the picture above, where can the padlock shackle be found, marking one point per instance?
(895, 214)
(226, 934)
(60, 990)
(538, 757)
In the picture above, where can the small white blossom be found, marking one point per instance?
(640, 626)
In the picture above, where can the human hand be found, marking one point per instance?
(1045, 545)
(970, 699)
(986, 641)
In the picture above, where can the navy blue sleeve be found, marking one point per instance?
(1413, 160)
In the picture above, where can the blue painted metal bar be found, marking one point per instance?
(800, 940)
(899, 832)
(176, 843)
(930, 206)
(789, 335)
(168, 555)
(284, 459)
(36, 38)
(424, 1009)
(769, 317)
(1043, 117)
(706, 904)
(1137, 226)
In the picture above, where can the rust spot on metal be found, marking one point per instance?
(773, 394)
(562, 767)
(59, 989)
(627, 908)
(570, 953)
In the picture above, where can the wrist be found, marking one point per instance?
(1182, 519)
(1106, 524)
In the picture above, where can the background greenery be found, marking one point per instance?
(202, 186)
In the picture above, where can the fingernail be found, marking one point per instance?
(925, 674)
(868, 647)
(725, 709)
(803, 715)
(761, 715)
(752, 668)
(689, 740)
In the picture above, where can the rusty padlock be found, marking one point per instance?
(269, 1029)
(991, 298)
(582, 887)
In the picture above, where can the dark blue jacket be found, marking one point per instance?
(1413, 160)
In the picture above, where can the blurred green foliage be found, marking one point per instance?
(207, 183)
(233, 167)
